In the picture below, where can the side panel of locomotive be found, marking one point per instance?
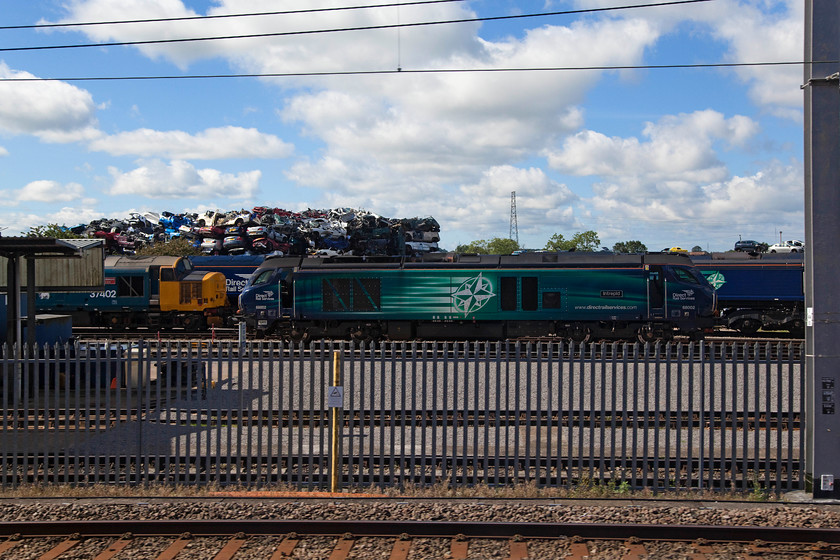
(236, 268)
(467, 294)
(467, 302)
(124, 292)
(575, 296)
(156, 292)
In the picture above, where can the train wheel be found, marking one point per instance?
(697, 335)
(116, 322)
(297, 335)
(797, 329)
(580, 333)
(646, 335)
(191, 323)
(748, 326)
(359, 334)
(375, 334)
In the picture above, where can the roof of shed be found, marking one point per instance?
(44, 246)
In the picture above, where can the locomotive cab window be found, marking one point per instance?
(262, 278)
(181, 269)
(684, 275)
(130, 286)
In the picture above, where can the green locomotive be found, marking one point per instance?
(580, 296)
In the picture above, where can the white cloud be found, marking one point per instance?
(454, 120)
(212, 143)
(766, 31)
(673, 180)
(3, 151)
(180, 179)
(108, 10)
(773, 194)
(749, 31)
(754, 205)
(53, 111)
(543, 205)
(679, 148)
(19, 223)
(50, 191)
(446, 129)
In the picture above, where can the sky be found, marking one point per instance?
(636, 122)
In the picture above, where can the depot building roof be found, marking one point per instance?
(11, 247)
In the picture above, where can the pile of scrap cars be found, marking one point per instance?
(264, 230)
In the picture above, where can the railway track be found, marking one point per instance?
(231, 333)
(100, 419)
(396, 540)
(227, 345)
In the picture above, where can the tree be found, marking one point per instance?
(581, 241)
(586, 241)
(495, 246)
(632, 246)
(558, 243)
(178, 247)
(697, 249)
(478, 246)
(52, 230)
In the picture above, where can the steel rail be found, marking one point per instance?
(425, 529)
(749, 421)
(195, 350)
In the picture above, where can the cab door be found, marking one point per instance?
(656, 292)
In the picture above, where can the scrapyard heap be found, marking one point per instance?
(265, 230)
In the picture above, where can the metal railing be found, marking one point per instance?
(704, 415)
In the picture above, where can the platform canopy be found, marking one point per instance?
(45, 246)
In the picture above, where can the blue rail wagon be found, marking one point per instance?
(757, 291)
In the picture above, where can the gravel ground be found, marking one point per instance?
(785, 514)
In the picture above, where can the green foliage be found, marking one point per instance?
(630, 247)
(558, 243)
(581, 241)
(758, 494)
(697, 249)
(177, 247)
(495, 246)
(52, 230)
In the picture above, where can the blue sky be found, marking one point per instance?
(667, 156)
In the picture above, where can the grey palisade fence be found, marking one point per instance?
(708, 415)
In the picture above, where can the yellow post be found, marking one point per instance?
(335, 423)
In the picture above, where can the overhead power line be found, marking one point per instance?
(345, 29)
(222, 16)
(418, 71)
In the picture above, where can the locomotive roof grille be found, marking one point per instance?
(452, 260)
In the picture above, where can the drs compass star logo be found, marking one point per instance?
(472, 295)
(716, 279)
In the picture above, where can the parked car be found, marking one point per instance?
(791, 246)
(677, 250)
(208, 218)
(750, 246)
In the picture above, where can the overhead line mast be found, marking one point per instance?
(514, 226)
